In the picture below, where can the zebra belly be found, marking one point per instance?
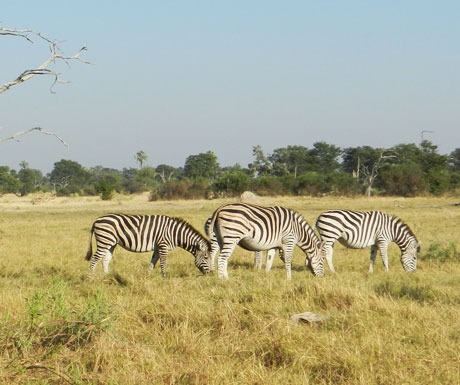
(137, 248)
(252, 244)
(355, 244)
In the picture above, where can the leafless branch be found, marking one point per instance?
(39, 129)
(55, 54)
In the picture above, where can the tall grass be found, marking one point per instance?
(58, 325)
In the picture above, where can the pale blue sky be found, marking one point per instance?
(177, 78)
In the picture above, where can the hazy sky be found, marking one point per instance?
(178, 78)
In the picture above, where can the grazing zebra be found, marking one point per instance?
(258, 228)
(258, 256)
(358, 230)
(141, 233)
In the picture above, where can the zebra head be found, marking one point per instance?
(202, 257)
(315, 261)
(409, 256)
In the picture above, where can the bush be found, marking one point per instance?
(404, 180)
(232, 183)
(268, 185)
(105, 190)
(184, 189)
(440, 253)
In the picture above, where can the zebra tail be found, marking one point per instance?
(211, 225)
(89, 253)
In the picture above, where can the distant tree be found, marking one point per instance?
(232, 183)
(69, 176)
(9, 183)
(324, 157)
(454, 160)
(165, 173)
(109, 176)
(365, 163)
(203, 165)
(30, 180)
(291, 160)
(261, 165)
(23, 164)
(430, 159)
(141, 157)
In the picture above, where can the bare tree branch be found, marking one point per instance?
(371, 175)
(55, 54)
(41, 130)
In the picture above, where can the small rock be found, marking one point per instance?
(308, 317)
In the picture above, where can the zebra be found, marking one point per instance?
(141, 233)
(258, 228)
(258, 256)
(357, 229)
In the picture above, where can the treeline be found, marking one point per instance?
(403, 170)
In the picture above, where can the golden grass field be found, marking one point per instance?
(58, 325)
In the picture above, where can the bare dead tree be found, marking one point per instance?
(371, 174)
(55, 55)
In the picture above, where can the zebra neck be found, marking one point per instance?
(402, 236)
(307, 239)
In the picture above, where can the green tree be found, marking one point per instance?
(141, 157)
(291, 160)
(324, 157)
(165, 173)
(30, 180)
(203, 165)
(9, 183)
(454, 160)
(261, 166)
(68, 177)
(232, 183)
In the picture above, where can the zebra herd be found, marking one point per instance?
(254, 228)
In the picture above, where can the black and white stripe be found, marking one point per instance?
(258, 255)
(258, 228)
(356, 229)
(143, 233)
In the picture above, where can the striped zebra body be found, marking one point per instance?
(258, 255)
(144, 233)
(356, 229)
(258, 228)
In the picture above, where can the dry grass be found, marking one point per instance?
(60, 326)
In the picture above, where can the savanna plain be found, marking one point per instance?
(59, 325)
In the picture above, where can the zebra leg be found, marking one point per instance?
(214, 251)
(106, 260)
(329, 251)
(258, 260)
(163, 252)
(287, 252)
(222, 261)
(383, 247)
(154, 260)
(270, 258)
(98, 255)
(373, 254)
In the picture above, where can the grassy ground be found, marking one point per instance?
(60, 326)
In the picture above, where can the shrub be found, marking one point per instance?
(104, 189)
(440, 253)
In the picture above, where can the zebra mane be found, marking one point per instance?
(184, 222)
(399, 221)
